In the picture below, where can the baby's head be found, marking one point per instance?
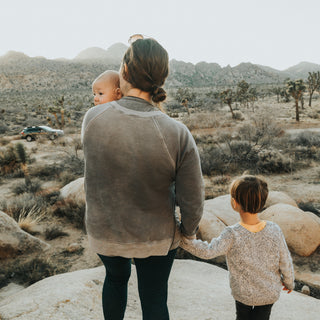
(106, 87)
(250, 193)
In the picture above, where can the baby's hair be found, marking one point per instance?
(109, 75)
(250, 192)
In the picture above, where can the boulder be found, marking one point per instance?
(275, 197)
(210, 226)
(197, 290)
(301, 229)
(221, 208)
(14, 241)
(74, 190)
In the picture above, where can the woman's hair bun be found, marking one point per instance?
(158, 95)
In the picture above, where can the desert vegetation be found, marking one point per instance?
(239, 126)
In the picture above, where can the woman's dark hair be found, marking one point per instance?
(250, 192)
(147, 67)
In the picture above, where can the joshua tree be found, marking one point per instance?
(296, 89)
(227, 97)
(58, 108)
(242, 92)
(313, 84)
(184, 96)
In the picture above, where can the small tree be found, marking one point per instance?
(243, 92)
(296, 89)
(227, 96)
(23, 157)
(184, 96)
(313, 84)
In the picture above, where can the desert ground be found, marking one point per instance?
(285, 152)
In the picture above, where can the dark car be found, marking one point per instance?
(30, 133)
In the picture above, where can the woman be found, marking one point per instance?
(138, 164)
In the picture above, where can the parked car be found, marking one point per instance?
(30, 133)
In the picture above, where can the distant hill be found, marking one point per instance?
(21, 72)
(113, 53)
(302, 69)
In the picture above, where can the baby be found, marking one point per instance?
(106, 87)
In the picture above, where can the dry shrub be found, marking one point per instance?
(74, 212)
(54, 232)
(201, 121)
(29, 219)
(27, 186)
(23, 204)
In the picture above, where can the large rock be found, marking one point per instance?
(301, 229)
(275, 197)
(14, 241)
(197, 290)
(221, 208)
(74, 190)
(210, 226)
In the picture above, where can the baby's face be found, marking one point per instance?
(105, 91)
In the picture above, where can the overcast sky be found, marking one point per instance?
(275, 33)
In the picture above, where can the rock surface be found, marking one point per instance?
(275, 197)
(14, 241)
(301, 229)
(74, 190)
(197, 290)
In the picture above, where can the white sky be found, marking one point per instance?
(275, 33)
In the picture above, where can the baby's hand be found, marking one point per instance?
(286, 289)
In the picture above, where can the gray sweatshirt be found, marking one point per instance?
(138, 164)
(258, 262)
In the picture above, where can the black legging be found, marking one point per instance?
(152, 273)
(245, 312)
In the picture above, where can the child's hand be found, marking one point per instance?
(286, 289)
(190, 237)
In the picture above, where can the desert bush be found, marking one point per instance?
(47, 172)
(272, 161)
(29, 219)
(238, 115)
(9, 161)
(28, 186)
(54, 233)
(29, 272)
(307, 139)
(201, 121)
(221, 180)
(71, 210)
(22, 204)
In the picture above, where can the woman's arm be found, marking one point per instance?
(189, 186)
(217, 247)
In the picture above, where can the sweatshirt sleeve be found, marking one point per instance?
(189, 186)
(217, 247)
(286, 266)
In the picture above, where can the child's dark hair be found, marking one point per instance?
(147, 67)
(250, 192)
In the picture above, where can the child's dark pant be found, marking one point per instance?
(245, 312)
(152, 273)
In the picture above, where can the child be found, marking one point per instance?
(106, 87)
(258, 258)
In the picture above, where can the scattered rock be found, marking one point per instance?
(305, 290)
(14, 241)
